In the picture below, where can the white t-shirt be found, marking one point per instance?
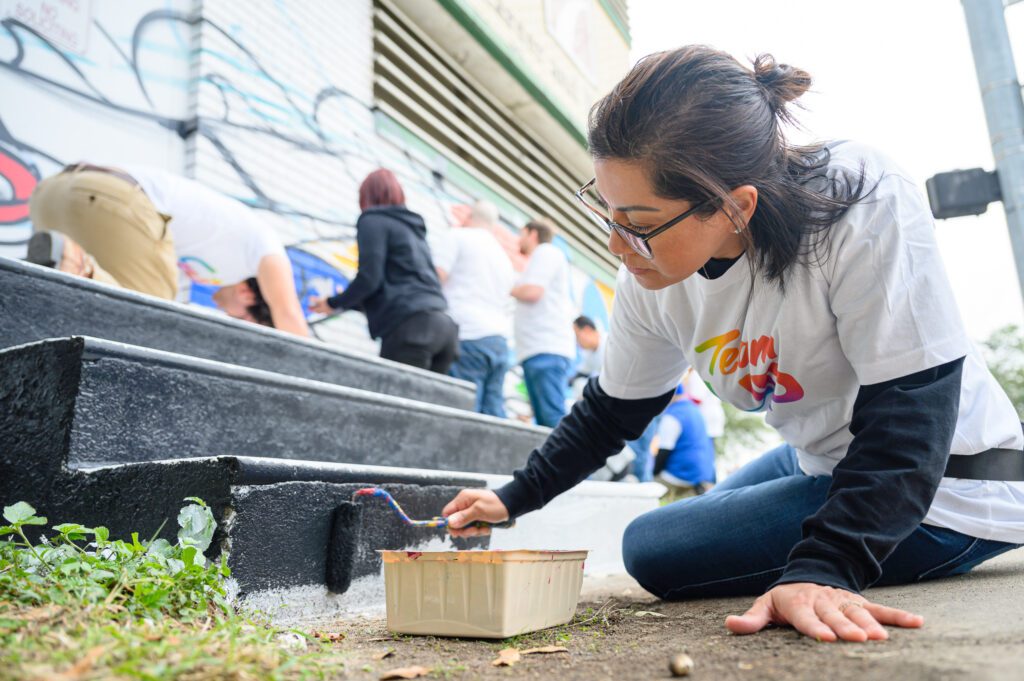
(480, 276)
(591, 360)
(217, 240)
(710, 406)
(877, 308)
(545, 327)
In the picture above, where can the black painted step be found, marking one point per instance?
(38, 303)
(89, 401)
(274, 519)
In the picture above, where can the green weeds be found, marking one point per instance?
(79, 605)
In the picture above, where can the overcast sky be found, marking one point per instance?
(895, 74)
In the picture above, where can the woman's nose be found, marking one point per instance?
(616, 245)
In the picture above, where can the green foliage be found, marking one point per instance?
(81, 565)
(1005, 355)
(742, 431)
(77, 600)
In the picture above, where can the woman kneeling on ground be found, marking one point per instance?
(804, 282)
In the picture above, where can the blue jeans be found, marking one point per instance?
(484, 361)
(546, 379)
(734, 540)
(643, 465)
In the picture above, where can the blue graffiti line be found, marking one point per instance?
(256, 73)
(36, 42)
(169, 5)
(249, 98)
(156, 47)
(182, 84)
(311, 54)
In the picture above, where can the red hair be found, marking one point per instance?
(380, 188)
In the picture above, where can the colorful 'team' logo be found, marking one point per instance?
(192, 267)
(768, 385)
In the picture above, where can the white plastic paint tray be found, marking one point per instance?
(480, 594)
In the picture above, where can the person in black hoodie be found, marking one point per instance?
(396, 286)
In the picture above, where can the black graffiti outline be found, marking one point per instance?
(201, 125)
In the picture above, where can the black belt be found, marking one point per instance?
(88, 167)
(992, 464)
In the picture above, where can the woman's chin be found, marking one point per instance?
(652, 280)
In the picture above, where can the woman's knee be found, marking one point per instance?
(635, 549)
(654, 545)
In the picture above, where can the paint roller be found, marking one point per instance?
(345, 535)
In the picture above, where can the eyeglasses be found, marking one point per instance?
(638, 241)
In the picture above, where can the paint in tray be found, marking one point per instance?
(480, 594)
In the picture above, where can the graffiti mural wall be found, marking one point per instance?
(268, 101)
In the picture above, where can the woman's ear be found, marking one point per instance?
(745, 202)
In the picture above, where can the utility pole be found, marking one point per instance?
(1004, 111)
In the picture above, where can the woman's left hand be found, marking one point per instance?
(317, 304)
(821, 612)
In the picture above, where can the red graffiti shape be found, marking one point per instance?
(22, 182)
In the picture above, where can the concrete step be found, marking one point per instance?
(102, 402)
(275, 519)
(275, 522)
(40, 303)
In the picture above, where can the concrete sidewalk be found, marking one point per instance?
(974, 629)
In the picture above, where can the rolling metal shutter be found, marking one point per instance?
(425, 91)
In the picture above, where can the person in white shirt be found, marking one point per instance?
(710, 406)
(591, 342)
(804, 282)
(588, 338)
(136, 227)
(476, 277)
(545, 344)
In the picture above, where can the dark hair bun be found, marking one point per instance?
(782, 83)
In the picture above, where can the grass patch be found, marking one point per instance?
(589, 622)
(78, 605)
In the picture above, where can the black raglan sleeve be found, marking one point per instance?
(372, 239)
(882, 489)
(597, 427)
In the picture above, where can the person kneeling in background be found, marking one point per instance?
(135, 227)
(686, 456)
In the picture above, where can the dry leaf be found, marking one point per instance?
(546, 650)
(384, 655)
(746, 666)
(41, 614)
(405, 673)
(82, 667)
(507, 657)
(332, 636)
(647, 613)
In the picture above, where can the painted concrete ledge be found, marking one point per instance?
(276, 523)
(39, 303)
(591, 516)
(104, 402)
(276, 519)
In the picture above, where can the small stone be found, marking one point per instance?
(290, 640)
(680, 665)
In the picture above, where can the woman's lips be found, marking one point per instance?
(636, 270)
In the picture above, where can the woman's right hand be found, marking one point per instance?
(317, 304)
(470, 505)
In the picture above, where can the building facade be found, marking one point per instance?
(287, 105)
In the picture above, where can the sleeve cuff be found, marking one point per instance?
(835, 573)
(517, 498)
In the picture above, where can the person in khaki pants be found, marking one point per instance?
(137, 226)
(117, 235)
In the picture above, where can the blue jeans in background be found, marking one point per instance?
(484, 361)
(546, 379)
(734, 540)
(643, 464)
